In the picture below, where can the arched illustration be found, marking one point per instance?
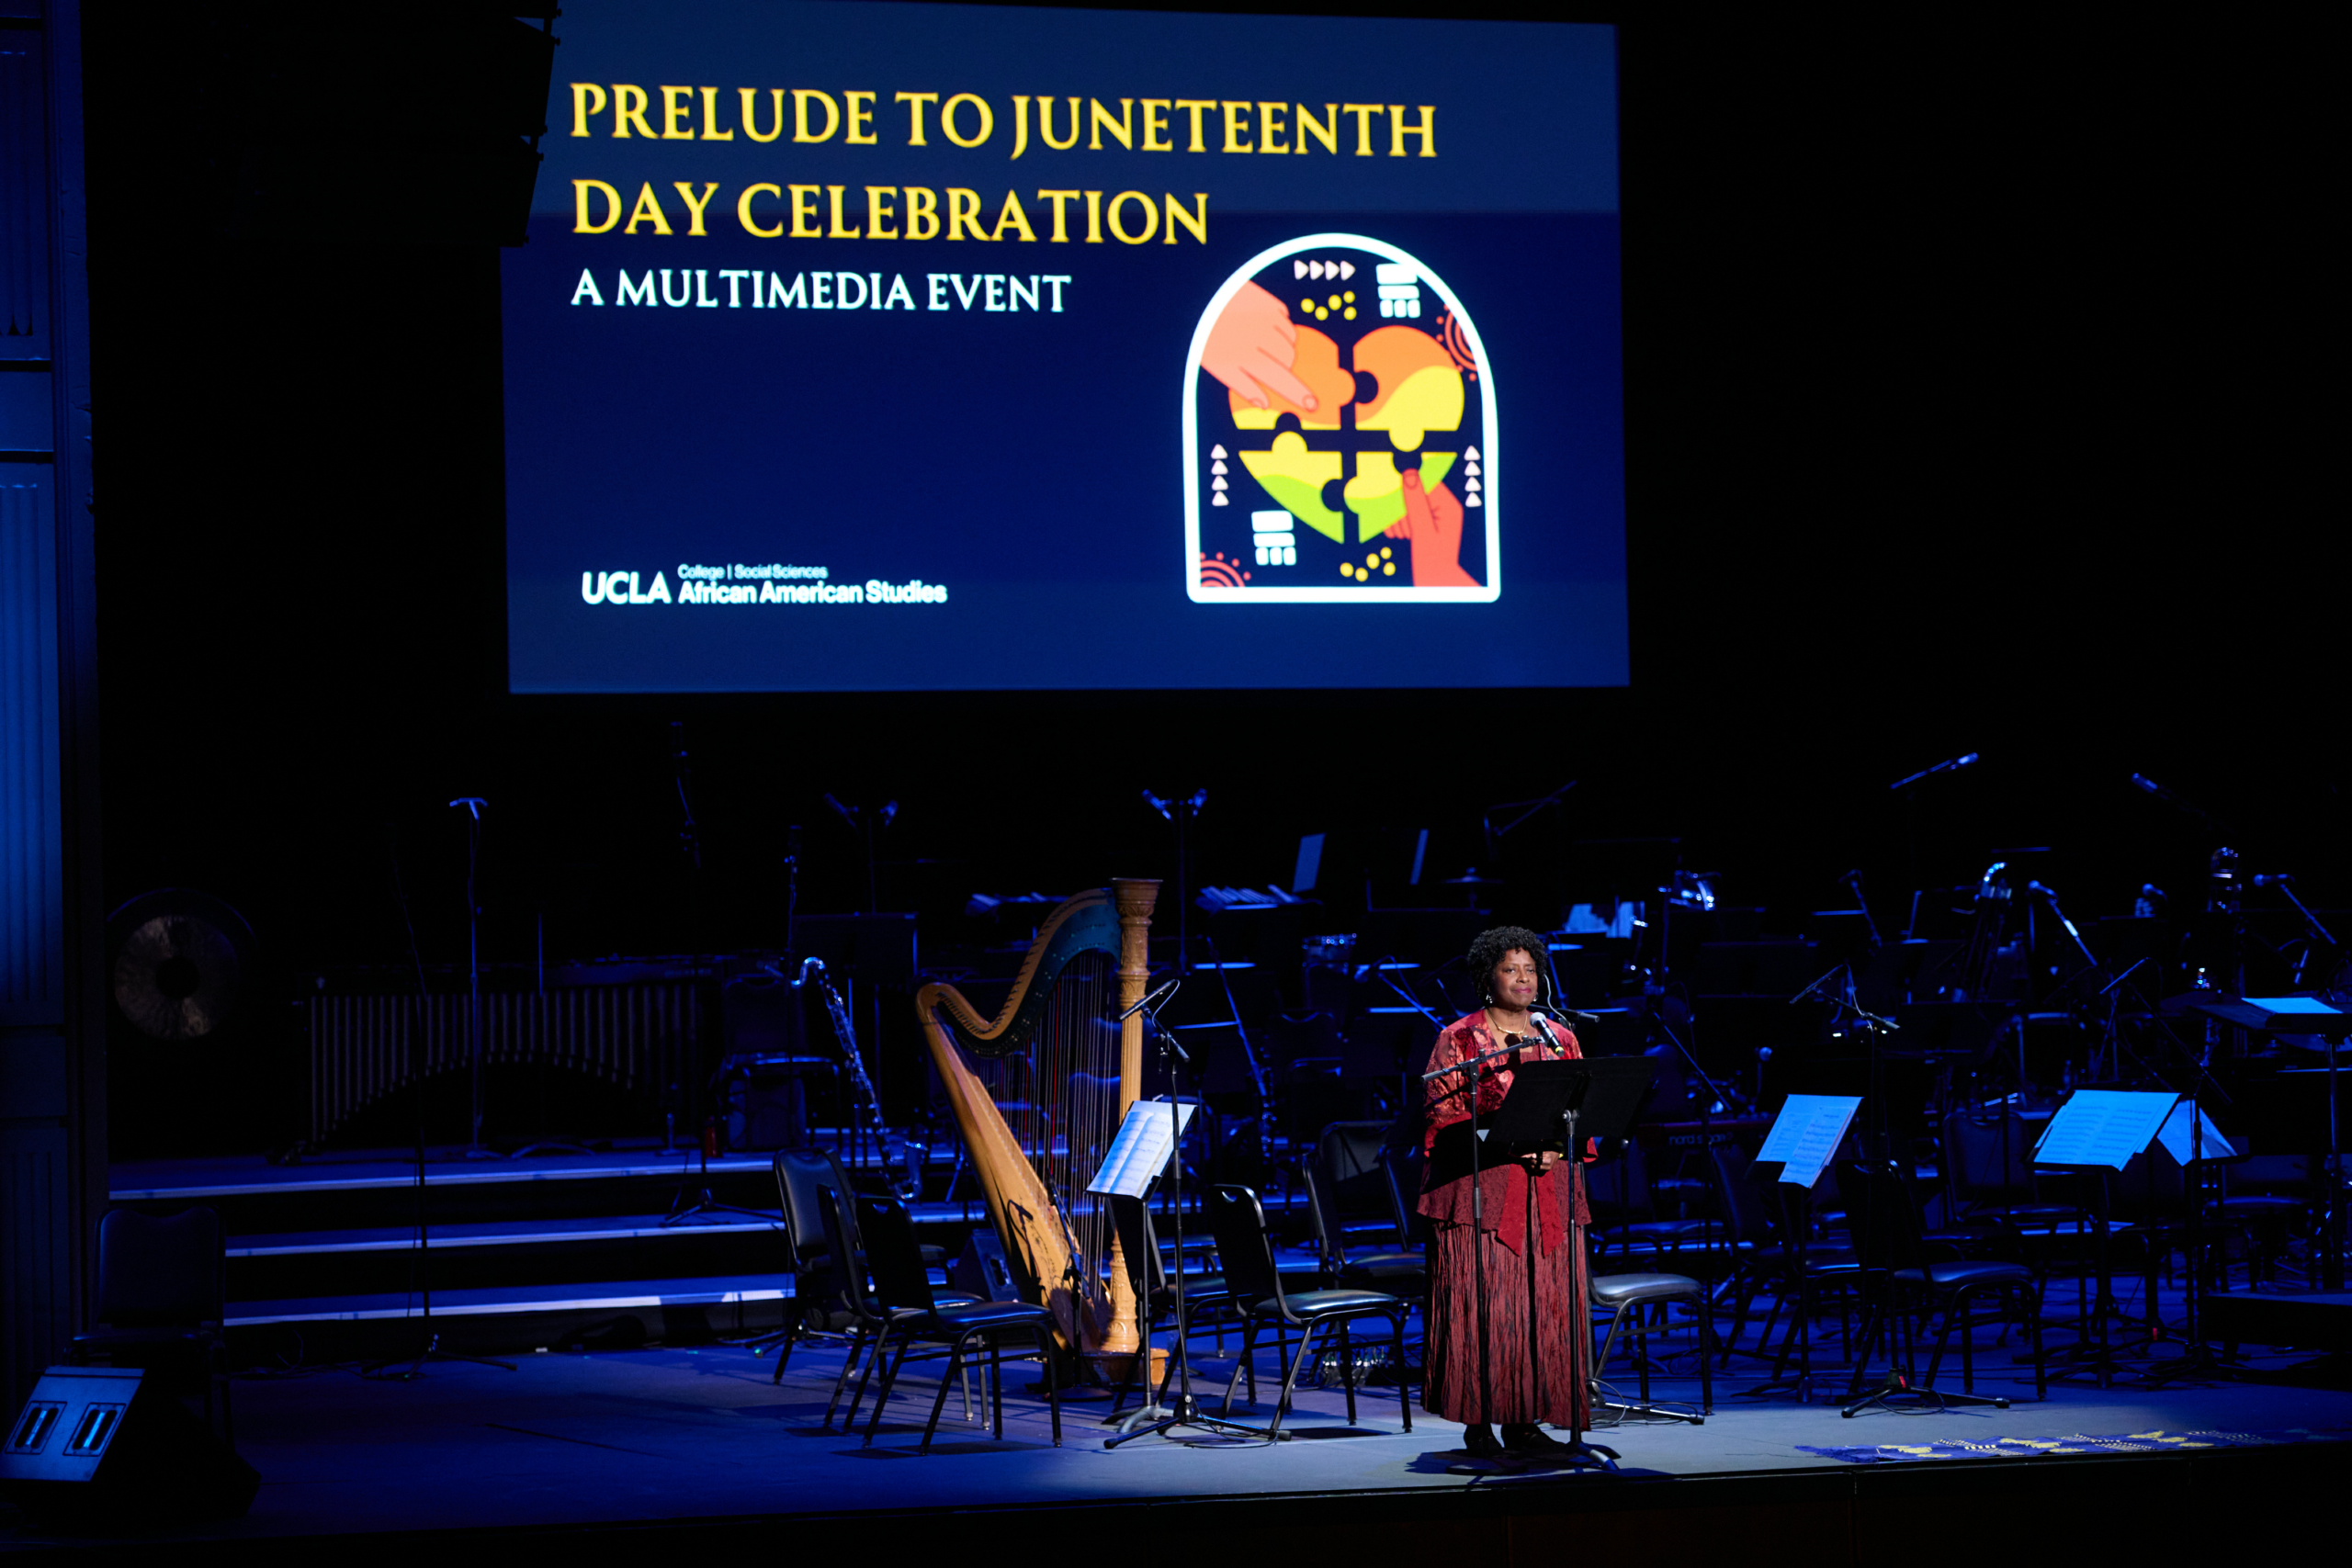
(1340, 434)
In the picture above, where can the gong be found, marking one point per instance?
(180, 963)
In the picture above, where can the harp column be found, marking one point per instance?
(1136, 896)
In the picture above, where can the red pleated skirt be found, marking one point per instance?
(1536, 1361)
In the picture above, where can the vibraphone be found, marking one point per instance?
(365, 1046)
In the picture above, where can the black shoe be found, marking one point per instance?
(1479, 1439)
(1532, 1440)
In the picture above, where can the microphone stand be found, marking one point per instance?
(473, 805)
(1410, 1001)
(681, 1208)
(431, 1350)
(1478, 1220)
(1713, 1097)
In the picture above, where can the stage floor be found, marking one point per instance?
(623, 1438)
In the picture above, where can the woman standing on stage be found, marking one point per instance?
(1534, 1217)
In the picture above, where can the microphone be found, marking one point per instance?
(2270, 880)
(1950, 765)
(2147, 785)
(472, 803)
(1151, 996)
(2042, 891)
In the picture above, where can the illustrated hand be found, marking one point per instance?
(1252, 348)
(1432, 524)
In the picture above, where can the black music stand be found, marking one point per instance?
(1160, 1417)
(1563, 1104)
(2197, 1358)
(2293, 1020)
(2103, 1162)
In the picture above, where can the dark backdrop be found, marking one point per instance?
(1970, 388)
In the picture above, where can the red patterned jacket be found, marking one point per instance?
(1446, 1182)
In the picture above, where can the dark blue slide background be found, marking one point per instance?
(1033, 462)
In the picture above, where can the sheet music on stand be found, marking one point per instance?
(1807, 1133)
(1140, 1151)
(2210, 1142)
(2315, 1010)
(2103, 1126)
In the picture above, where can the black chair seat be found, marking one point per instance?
(2072, 1223)
(1622, 1290)
(2261, 1204)
(1313, 1304)
(932, 1257)
(163, 1339)
(1957, 1276)
(942, 1299)
(963, 1317)
(1377, 1265)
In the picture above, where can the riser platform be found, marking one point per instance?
(265, 1269)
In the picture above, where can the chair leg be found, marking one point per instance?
(1397, 1349)
(1289, 1379)
(1248, 1346)
(1348, 1371)
(1054, 1376)
(1967, 1348)
(939, 1400)
(1802, 1324)
(882, 1395)
(1639, 1346)
(1608, 1342)
(784, 1351)
(1874, 1329)
(1764, 1335)
(849, 1361)
(2031, 1300)
(1936, 1361)
(1738, 1324)
(1706, 1333)
(996, 1387)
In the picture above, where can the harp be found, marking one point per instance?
(1038, 1091)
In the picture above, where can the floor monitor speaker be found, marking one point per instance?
(102, 1445)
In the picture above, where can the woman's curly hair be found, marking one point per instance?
(1489, 948)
